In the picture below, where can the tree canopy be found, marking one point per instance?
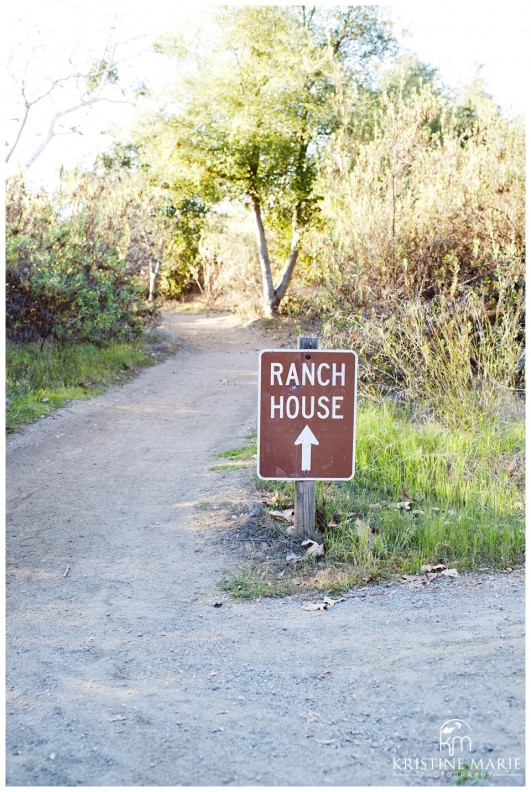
(251, 116)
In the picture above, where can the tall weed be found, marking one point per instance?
(458, 359)
(431, 202)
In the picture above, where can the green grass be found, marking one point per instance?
(239, 457)
(466, 775)
(244, 452)
(464, 490)
(223, 468)
(248, 584)
(39, 381)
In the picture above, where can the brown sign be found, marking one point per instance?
(307, 414)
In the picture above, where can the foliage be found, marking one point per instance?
(458, 359)
(423, 493)
(180, 267)
(427, 201)
(38, 381)
(66, 278)
(161, 222)
(254, 109)
(226, 267)
(433, 494)
(422, 266)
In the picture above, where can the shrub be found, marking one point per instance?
(63, 280)
(431, 203)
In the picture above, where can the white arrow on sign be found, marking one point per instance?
(306, 439)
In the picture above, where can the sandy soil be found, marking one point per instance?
(122, 672)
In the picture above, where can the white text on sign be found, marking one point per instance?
(325, 373)
(322, 407)
(307, 406)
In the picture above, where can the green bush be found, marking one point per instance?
(64, 280)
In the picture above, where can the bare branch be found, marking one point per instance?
(89, 85)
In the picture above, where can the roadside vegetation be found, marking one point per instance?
(390, 218)
(424, 493)
(40, 380)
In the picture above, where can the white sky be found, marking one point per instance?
(458, 37)
(454, 37)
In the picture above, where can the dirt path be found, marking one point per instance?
(122, 673)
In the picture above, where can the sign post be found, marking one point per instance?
(306, 421)
(304, 526)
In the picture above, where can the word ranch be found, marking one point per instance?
(323, 373)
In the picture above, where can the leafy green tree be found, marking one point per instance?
(161, 223)
(254, 111)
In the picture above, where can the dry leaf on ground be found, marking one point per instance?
(313, 548)
(321, 606)
(450, 572)
(430, 572)
(286, 515)
(329, 601)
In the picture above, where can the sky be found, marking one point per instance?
(457, 38)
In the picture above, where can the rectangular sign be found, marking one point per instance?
(307, 414)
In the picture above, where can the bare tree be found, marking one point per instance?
(59, 98)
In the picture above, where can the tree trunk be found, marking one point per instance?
(289, 266)
(265, 264)
(272, 297)
(154, 269)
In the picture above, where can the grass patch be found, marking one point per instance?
(250, 584)
(40, 381)
(246, 585)
(423, 493)
(468, 775)
(238, 456)
(428, 494)
(229, 466)
(244, 452)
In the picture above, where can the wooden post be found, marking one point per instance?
(304, 527)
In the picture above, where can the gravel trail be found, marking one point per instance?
(122, 672)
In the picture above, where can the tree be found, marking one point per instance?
(160, 229)
(51, 92)
(254, 112)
